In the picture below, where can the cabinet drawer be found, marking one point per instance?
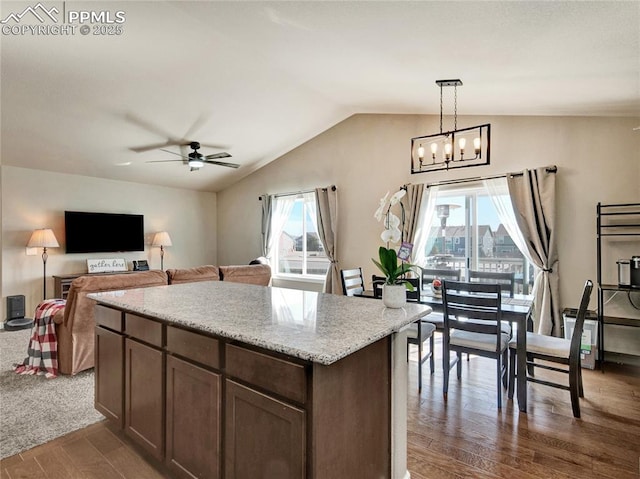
(109, 318)
(144, 329)
(273, 374)
(197, 347)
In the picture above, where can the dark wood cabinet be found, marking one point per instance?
(144, 396)
(212, 407)
(253, 421)
(193, 420)
(109, 364)
(109, 350)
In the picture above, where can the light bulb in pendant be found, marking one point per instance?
(447, 151)
(434, 150)
(462, 142)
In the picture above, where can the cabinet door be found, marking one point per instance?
(144, 396)
(193, 420)
(109, 359)
(252, 421)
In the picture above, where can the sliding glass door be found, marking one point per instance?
(466, 233)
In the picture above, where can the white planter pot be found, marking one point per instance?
(394, 295)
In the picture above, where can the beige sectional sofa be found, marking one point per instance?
(75, 323)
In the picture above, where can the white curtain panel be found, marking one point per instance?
(422, 242)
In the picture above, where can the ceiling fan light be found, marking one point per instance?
(196, 163)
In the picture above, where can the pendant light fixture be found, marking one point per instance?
(456, 148)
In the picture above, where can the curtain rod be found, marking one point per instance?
(549, 169)
(295, 193)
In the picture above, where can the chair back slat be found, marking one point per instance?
(488, 314)
(352, 281)
(471, 300)
(507, 281)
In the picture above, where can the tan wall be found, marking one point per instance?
(34, 199)
(367, 155)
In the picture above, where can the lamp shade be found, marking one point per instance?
(43, 238)
(161, 238)
(443, 210)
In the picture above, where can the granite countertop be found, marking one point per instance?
(317, 327)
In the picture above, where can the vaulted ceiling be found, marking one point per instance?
(257, 79)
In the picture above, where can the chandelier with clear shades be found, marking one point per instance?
(457, 148)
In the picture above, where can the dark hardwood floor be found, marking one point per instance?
(466, 437)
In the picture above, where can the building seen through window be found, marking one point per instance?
(474, 239)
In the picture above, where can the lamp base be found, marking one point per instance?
(18, 323)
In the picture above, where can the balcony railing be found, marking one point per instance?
(496, 265)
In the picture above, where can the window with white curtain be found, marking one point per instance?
(476, 235)
(296, 249)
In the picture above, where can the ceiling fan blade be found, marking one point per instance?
(163, 161)
(157, 146)
(197, 125)
(215, 156)
(174, 153)
(150, 127)
(222, 163)
(215, 146)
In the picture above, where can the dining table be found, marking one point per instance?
(517, 310)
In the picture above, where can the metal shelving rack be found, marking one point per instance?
(613, 220)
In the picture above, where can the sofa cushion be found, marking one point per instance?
(191, 275)
(259, 274)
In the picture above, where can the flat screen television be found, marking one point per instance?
(103, 232)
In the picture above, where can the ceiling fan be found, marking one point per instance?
(197, 160)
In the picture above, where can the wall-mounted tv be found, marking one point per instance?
(103, 232)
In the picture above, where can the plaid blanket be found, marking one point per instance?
(42, 353)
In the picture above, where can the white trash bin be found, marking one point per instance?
(589, 343)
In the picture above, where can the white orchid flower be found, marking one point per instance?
(397, 196)
(391, 235)
(380, 211)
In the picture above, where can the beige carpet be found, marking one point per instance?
(35, 410)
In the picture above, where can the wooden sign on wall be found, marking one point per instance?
(106, 265)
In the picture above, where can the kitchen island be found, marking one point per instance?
(239, 381)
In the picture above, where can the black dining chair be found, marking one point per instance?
(507, 281)
(559, 351)
(352, 281)
(473, 324)
(377, 282)
(419, 332)
(427, 275)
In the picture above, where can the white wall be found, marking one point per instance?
(34, 199)
(367, 155)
